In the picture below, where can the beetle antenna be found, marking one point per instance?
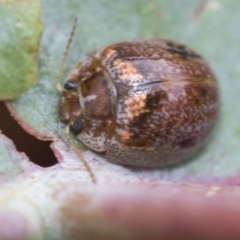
(59, 88)
(80, 155)
(65, 55)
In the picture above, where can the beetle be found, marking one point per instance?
(146, 103)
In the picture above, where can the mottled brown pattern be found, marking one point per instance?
(146, 103)
(99, 105)
(68, 105)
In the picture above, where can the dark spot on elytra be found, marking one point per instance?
(152, 104)
(140, 121)
(152, 101)
(181, 50)
(204, 92)
(197, 101)
(187, 143)
(176, 46)
(181, 47)
(184, 53)
(170, 44)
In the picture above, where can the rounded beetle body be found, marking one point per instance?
(147, 103)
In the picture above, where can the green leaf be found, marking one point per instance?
(59, 202)
(19, 37)
(209, 28)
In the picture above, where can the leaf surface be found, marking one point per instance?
(205, 26)
(19, 37)
(61, 202)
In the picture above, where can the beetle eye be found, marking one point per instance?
(77, 126)
(69, 85)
